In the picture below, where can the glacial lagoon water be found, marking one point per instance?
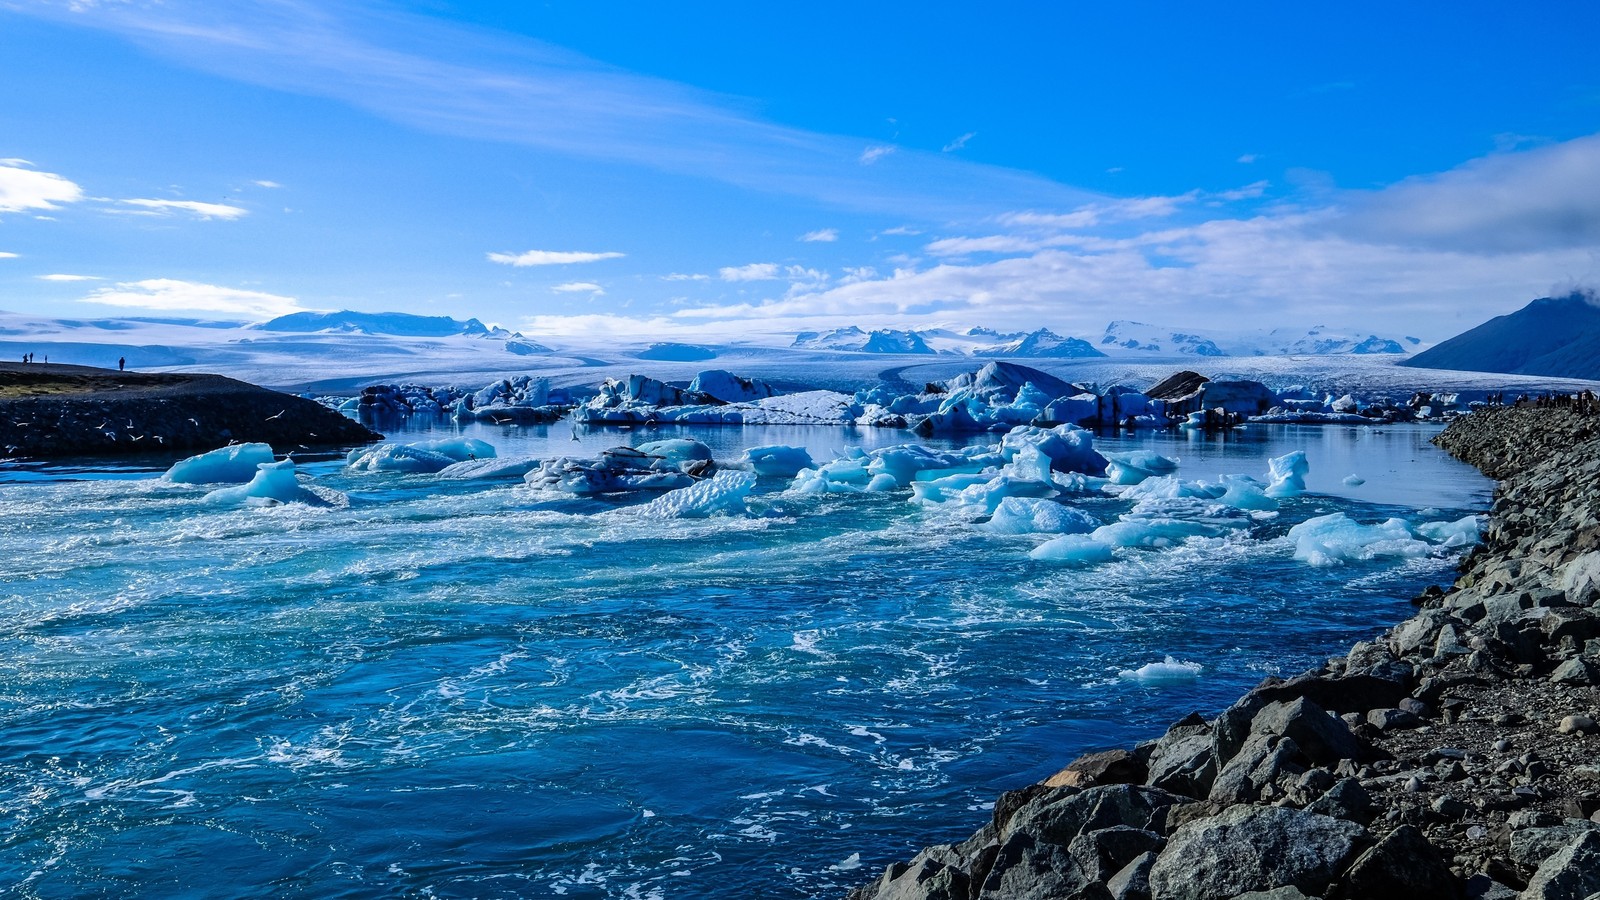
(460, 689)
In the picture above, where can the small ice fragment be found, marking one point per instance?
(778, 461)
(1288, 474)
(1073, 549)
(722, 494)
(849, 863)
(1354, 480)
(235, 464)
(1169, 669)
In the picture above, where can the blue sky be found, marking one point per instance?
(721, 168)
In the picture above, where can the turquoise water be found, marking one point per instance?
(466, 690)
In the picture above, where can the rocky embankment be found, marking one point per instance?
(53, 411)
(1455, 756)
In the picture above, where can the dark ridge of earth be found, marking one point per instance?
(50, 411)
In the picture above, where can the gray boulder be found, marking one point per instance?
(1571, 873)
(1254, 848)
(1402, 866)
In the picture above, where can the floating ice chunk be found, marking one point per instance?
(274, 482)
(905, 461)
(730, 388)
(991, 493)
(1244, 492)
(398, 458)
(1072, 549)
(1136, 466)
(945, 489)
(1031, 515)
(1336, 539)
(1169, 487)
(1354, 480)
(1077, 483)
(1152, 533)
(677, 451)
(882, 481)
(1288, 474)
(778, 461)
(1463, 532)
(1169, 669)
(1195, 419)
(229, 465)
(479, 469)
(1069, 448)
(721, 495)
(459, 449)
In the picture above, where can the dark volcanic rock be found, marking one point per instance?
(53, 411)
(1254, 848)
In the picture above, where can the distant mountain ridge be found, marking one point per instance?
(1557, 336)
(1124, 337)
(394, 323)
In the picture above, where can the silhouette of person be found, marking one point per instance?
(122, 364)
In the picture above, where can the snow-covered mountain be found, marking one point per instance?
(1127, 338)
(1042, 344)
(853, 338)
(400, 324)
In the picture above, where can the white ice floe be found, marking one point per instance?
(1288, 474)
(1073, 549)
(1169, 669)
(274, 483)
(233, 464)
(1031, 515)
(421, 457)
(777, 460)
(678, 464)
(1336, 539)
(1136, 466)
(1354, 480)
(723, 494)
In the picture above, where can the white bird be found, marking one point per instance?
(278, 416)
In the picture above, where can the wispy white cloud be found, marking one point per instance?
(1248, 158)
(172, 295)
(24, 188)
(6, 254)
(193, 207)
(550, 257)
(900, 230)
(822, 235)
(426, 73)
(959, 142)
(681, 276)
(578, 287)
(874, 153)
(61, 277)
(266, 184)
(751, 272)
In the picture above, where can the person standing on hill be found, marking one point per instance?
(122, 364)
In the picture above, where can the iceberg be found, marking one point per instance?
(624, 469)
(1169, 669)
(483, 469)
(1068, 447)
(403, 458)
(721, 495)
(1033, 515)
(274, 483)
(1463, 532)
(730, 388)
(1072, 549)
(1335, 539)
(233, 464)
(1155, 533)
(777, 461)
(1288, 474)
(1134, 467)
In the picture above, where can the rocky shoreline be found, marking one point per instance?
(1456, 755)
(56, 411)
